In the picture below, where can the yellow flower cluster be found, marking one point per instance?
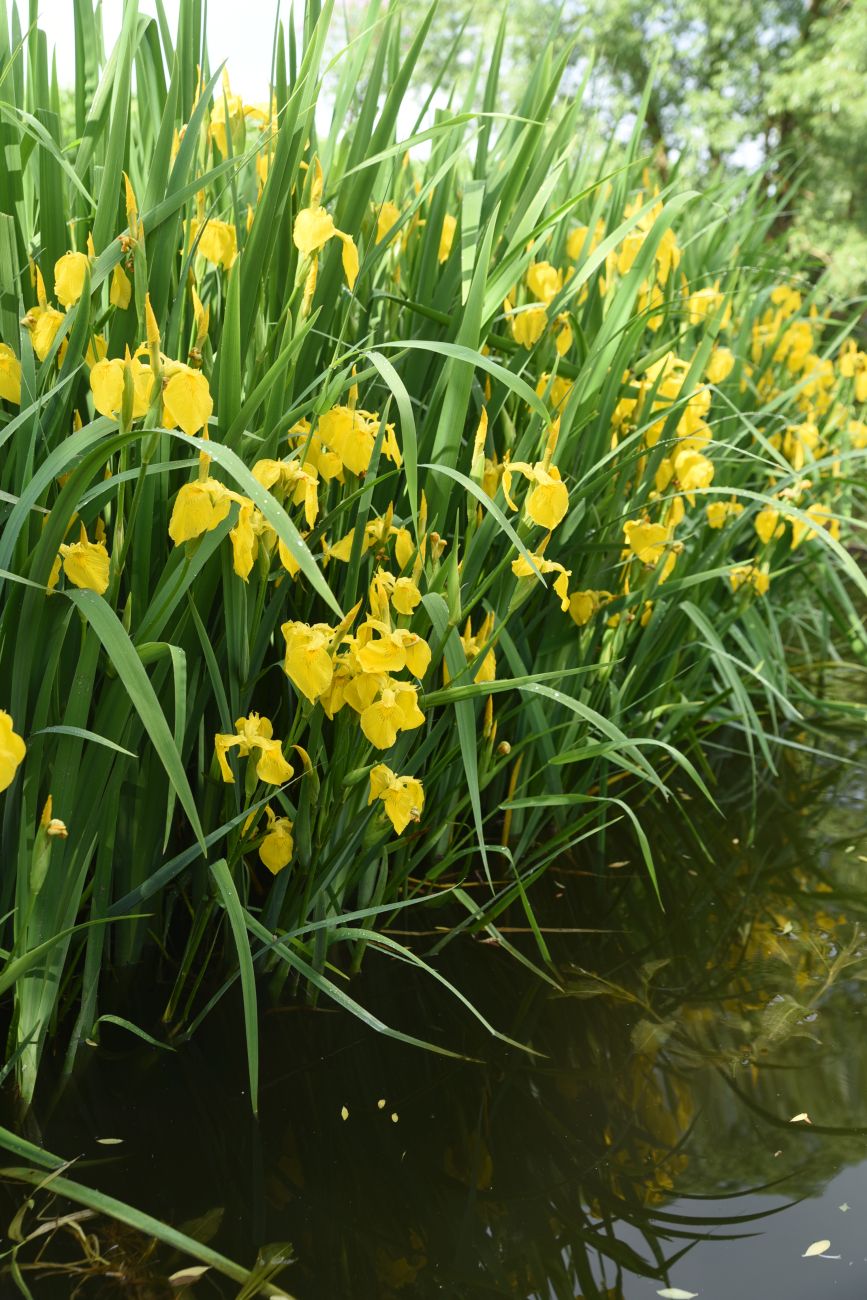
(329, 665)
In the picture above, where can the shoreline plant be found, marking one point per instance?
(380, 517)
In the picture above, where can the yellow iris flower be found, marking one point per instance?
(187, 401)
(254, 733)
(447, 237)
(381, 650)
(43, 323)
(822, 517)
(12, 750)
(522, 569)
(750, 575)
(218, 243)
(547, 501)
(289, 478)
(312, 230)
(351, 435)
(251, 530)
(401, 796)
(527, 324)
(584, 604)
(474, 643)
(393, 709)
(719, 512)
(10, 375)
(69, 275)
(308, 663)
(107, 386)
(646, 541)
(387, 216)
(278, 845)
(85, 563)
(199, 508)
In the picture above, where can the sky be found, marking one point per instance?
(238, 31)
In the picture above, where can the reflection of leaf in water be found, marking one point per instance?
(470, 1163)
(779, 1020)
(650, 968)
(648, 1036)
(588, 988)
(398, 1271)
(205, 1227)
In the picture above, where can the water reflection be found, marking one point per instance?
(651, 1143)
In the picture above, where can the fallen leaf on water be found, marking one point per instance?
(817, 1248)
(675, 1293)
(803, 1118)
(191, 1274)
(381, 1104)
(109, 1142)
(344, 1112)
(394, 1117)
(844, 1207)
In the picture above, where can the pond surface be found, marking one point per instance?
(693, 1121)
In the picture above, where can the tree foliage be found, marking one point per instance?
(779, 85)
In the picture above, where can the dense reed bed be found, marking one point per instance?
(381, 516)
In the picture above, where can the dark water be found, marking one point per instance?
(648, 1145)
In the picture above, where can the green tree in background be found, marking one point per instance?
(818, 100)
(779, 84)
